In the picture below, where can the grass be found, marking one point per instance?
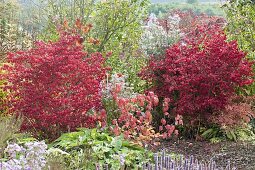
(9, 125)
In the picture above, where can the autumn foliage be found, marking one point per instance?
(200, 73)
(54, 85)
(237, 113)
(134, 116)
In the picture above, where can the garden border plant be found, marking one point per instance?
(200, 74)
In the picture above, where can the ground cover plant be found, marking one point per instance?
(106, 85)
(101, 148)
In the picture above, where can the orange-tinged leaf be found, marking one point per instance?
(93, 41)
(78, 23)
(66, 24)
(85, 29)
(77, 43)
(97, 42)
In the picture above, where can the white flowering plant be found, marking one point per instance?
(30, 156)
(156, 38)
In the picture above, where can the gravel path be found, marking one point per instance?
(241, 154)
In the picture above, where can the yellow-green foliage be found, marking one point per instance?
(8, 10)
(2, 98)
(3, 95)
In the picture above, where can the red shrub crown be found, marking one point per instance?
(54, 85)
(200, 74)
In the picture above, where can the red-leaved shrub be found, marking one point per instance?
(54, 85)
(200, 73)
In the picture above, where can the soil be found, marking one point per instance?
(240, 154)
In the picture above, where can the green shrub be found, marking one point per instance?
(86, 147)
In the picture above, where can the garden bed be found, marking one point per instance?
(90, 83)
(241, 154)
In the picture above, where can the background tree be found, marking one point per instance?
(241, 19)
(12, 36)
(240, 27)
(118, 26)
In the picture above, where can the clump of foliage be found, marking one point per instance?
(200, 73)
(54, 85)
(190, 26)
(132, 114)
(117, 80)
(160, 33)
(216, 134)
(231, 123)
(12, 38)
(118, 26)
(135, 118)
(236, 113)
(99, 148)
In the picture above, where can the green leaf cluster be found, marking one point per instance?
(216, 134)
(87, 147)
